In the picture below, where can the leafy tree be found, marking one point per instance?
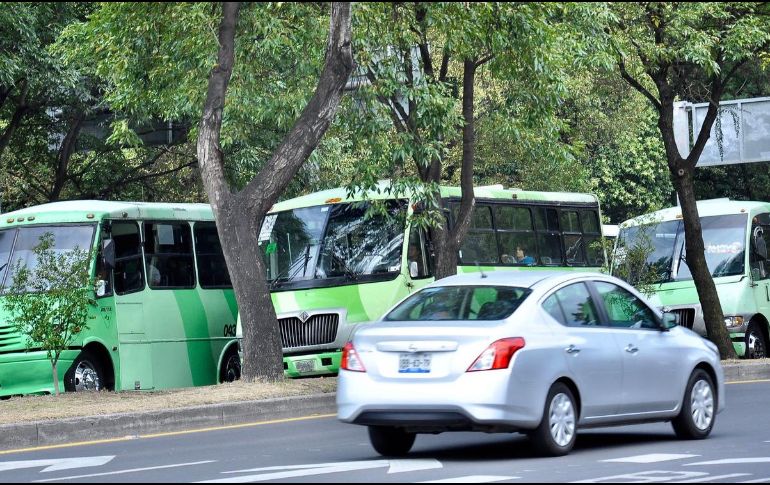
(49, 300)
(691, 50)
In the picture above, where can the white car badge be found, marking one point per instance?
(304, 316)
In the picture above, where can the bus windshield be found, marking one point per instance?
(332, 243)
(723, 238)
(17, 245)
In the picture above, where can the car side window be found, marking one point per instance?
(625, 310)
(576, 305)
(552, 306)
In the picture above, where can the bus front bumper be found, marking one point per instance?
(31, 373)
(316, 364)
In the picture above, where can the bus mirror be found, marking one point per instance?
(101, 288)
(760, 248)
(108, 253)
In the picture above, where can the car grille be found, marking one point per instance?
(316, 330)
(9, 337)
(684, 317)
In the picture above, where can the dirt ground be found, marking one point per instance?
(38, 408)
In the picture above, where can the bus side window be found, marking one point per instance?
(128, 275)
(169, 255)
(212, 270)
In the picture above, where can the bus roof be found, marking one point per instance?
(80, 210)
(711, 207)
(483, 192)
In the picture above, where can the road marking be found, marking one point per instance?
(650, 458)
(713, 478)
(57, 464)
(159, 435)
(119, 472)
(748, 382)
(758, 480)
(296, 471)
(652, 476)
(731, 461)
(473, 479)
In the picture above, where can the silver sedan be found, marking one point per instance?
(543, 353)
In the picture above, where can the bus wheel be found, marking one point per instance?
(756, 346)
(231, 367)
(86, 374)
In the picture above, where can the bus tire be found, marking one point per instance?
(85, 374)
(231, 366)
(756, 343)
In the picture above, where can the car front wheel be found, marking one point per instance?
(696, 419)
(391, 441)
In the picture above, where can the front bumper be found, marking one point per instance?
(31, 373)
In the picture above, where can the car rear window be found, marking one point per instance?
(460, 303)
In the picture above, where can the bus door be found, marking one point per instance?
(760, 265)
(418, 259)
(128, 285)
(174, 312)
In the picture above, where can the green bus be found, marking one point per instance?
(735, 236)
(330, 267)
(164, 312)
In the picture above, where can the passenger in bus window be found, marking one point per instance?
(522, 257)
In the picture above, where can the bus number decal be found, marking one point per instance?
(229, 330)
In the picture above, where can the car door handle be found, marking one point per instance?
(631, 349)
(572, 350)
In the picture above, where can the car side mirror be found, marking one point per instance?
(670, 320)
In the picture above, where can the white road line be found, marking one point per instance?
(119, 472)
(650, 458)
(714, 478)
(473, 479)
(732, 461)
(758, 480)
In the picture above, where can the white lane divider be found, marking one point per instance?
(714, 478)
(296, 471)
(130, 470)
(473, 479)
(57, 464)
(732, 461)
(650, 458)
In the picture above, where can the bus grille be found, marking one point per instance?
(9, 337)
(317, 330)
(685, 317)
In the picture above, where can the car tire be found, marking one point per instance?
(557, 432)
(756, 344)
(85, 374)
(231, 367)
(699, 407)
(388, 441)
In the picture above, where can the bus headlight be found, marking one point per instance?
(733, 321)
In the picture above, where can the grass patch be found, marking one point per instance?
(72, 405)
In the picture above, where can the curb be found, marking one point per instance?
(73, 430)
(116, 426)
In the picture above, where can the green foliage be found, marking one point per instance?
(48, 300)
(630, 261)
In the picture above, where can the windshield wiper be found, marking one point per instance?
(287, 274)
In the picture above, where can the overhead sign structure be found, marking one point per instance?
(744, 126)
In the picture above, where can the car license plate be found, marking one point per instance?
(414, 363)
(307, 365)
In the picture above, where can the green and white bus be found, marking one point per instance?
(330, 268)
(164, 312)
(735, 235)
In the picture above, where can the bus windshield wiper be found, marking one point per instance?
(293, 270)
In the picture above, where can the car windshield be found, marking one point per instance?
(17, 245)
(723, 238)
(460, 303)
(340, 242)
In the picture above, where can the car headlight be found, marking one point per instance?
(733, 321)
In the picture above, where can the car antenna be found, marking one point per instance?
(483, 274)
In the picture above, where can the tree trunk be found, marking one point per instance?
(239, 216)
(65, 154)
(55, 378)
(696, 261)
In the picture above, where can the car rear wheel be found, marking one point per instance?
(696, 419)
(391, 441)
(557, 432)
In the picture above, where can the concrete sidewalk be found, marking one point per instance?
(128, 425)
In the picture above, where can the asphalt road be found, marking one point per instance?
(320, 449)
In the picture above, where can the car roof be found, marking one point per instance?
(522, 279)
